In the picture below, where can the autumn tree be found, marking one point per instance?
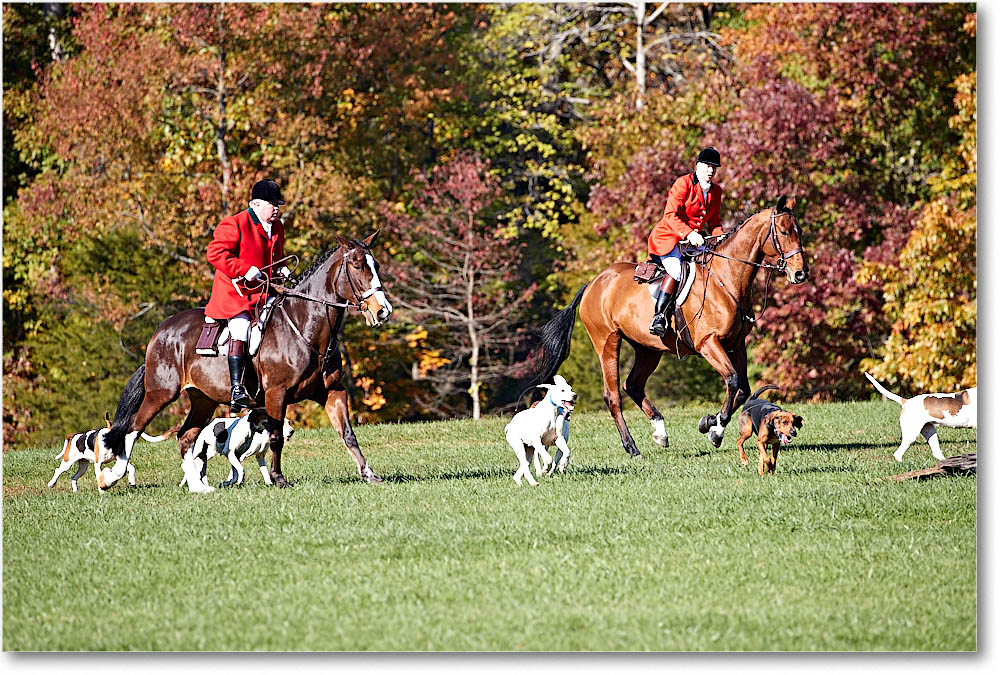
(930, 291)
(458, 275)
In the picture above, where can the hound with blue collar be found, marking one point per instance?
(545, 424)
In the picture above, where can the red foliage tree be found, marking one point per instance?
(456, 273)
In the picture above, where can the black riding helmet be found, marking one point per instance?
(710, 156)
(269, 191)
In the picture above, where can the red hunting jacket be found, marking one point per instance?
(238, 244)
(685, 211)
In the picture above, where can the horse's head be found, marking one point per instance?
(784, 241)
(358, 280)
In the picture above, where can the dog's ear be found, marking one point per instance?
(797, 421)
(544, 386)
(560, 381)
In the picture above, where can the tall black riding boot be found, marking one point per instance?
(240, 399)
(664, 306)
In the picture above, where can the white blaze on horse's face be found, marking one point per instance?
(377, 309)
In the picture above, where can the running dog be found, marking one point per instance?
(235, 437)
(774, 427)
(86, 448)
(922, 413)
(543, 425)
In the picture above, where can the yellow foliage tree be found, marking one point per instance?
(930, 293)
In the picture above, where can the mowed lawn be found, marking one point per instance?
(684, 550)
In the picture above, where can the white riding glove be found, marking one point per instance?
(694, 237)
(252, 273)
(285, 272)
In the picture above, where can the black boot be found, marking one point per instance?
(664, 306)
(240, 399)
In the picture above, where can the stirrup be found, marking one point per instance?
(659, 325)
(239, 399)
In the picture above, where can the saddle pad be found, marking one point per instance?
(687, 281)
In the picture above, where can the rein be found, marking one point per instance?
(772, 234)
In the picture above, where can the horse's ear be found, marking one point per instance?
(369, 241)
(785, 203)
(781, 204)
(345, 243)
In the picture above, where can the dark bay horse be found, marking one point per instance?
(717, 312)
(298, 360)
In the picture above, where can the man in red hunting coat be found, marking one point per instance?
(242, 250)
(693, 204)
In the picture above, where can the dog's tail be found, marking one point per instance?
(162, 437)
(885, 392)
(555, 338)
(64, 453)
(761, 391)
(128, 406)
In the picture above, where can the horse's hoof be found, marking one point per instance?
(372, 478)
(662, 441)
(706, 423)
(279, 481)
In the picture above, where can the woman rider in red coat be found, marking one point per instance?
(693, 204)
(242, 246)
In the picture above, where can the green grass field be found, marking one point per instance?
(685, 550)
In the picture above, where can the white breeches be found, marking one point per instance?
(672, 262)
(239, 325)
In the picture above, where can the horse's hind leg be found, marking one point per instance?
(608, 352)
(737, 388)
(202, 409)
(646, 360)
(153, 402)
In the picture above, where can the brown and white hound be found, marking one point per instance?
(922, 413)
(774, 427)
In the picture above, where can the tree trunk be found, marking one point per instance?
(640, 55)
(470, 288)
(220, 129)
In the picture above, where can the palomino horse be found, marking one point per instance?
(717, 312)
(298, 360)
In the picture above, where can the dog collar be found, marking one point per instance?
(559, 408)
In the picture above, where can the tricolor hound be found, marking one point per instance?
(922, 413)
(235, 437)
(86, 448)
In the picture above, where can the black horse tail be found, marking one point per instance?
(761, 391)
(128, 406)
(556, 337)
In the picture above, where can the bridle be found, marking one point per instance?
(772, 234)
(359, 296)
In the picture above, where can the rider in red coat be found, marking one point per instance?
(693, 204)
(243, 248)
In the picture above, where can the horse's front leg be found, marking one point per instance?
(337, 410)
(275, 405)
(715, 354)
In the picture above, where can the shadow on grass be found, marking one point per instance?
(472, 474)
(837, 447)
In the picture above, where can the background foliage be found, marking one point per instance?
(131, 130)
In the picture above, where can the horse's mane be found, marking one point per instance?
(320, 259)
(729, 235)
(315, 265)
